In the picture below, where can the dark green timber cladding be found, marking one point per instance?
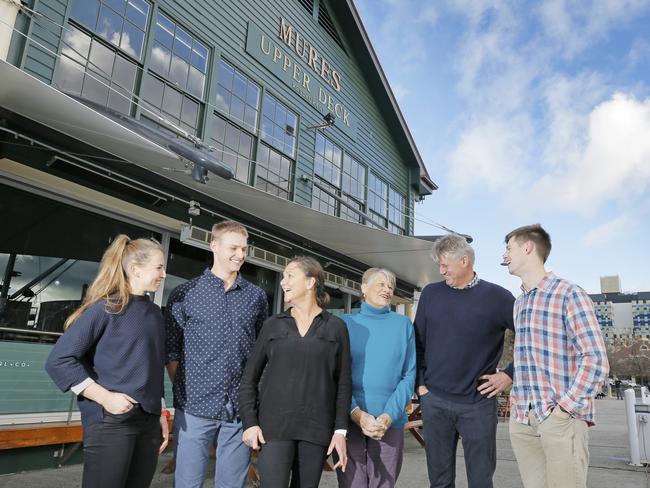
(222, 25)
(39, 58)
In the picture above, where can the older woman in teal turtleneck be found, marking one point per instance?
(382, 345)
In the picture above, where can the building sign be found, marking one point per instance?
(298, 63)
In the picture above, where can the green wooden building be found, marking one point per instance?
(108, 110)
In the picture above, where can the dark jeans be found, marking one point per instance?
(277, 459)
(121, 451)
(476, 424)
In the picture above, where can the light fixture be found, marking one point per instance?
(329, 120)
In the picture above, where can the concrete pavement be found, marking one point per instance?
(608, 466)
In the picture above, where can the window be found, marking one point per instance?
(174, 86)
(179, 57)
(120, 22)
(279, 126)
(161, 99)
(341, 175)
(353, 188)
(377, 200)
(327, 168)
(234, 147)
(90, 70)
(102, 66)
(237, 96)
(397, 221)
(273, 172)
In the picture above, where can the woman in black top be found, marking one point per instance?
(301, 415)
(112, 357)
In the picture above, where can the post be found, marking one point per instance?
(8, 12)
(633, 436)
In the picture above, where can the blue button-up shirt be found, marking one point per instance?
(211, 333)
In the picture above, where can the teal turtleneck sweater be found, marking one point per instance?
(382, 345)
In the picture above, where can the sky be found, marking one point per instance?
(529, 112)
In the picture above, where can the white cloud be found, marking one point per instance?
(612, 165)
(490, 154)
(608, 231)
(572, 26)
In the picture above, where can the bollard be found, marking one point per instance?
(633, 436)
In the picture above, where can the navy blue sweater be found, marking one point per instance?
(459, 337)
(122, 352)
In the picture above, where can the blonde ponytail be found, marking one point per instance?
(111, 283)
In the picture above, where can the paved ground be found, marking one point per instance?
(608, 467)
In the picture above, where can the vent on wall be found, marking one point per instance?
(197, 237)
(325, 21)
(308, 4)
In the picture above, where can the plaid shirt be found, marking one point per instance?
(559, 355)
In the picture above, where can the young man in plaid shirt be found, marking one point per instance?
(560, 365)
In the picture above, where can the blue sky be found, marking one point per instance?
(529, 112)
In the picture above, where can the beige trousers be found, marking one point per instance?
(553, 454)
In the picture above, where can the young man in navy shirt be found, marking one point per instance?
(212, 323)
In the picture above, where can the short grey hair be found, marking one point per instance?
(370, 274)
(452, 245)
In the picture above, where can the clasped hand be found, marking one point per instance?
(374, 427)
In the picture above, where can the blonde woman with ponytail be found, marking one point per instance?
(112, 357)
(300, 415)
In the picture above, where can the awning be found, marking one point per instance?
(408, 257)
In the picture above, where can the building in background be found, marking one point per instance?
(161, 117)
(610, 284)
(623, 315)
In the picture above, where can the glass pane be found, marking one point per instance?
(119, 100)
(76, 44)
(124, 73)
(160, 59)
(280, 115)
(232, 137)
(223, 99)
(85, 12)
(252, 95)
(250, 116)
(132, 40)
(137, 12)
(172, 102)
(218, 128)
(225, 75)
(95, 90)
(110, 25)
(267, 130)
(165, 31)
(69, 76)
(292, 121)
(117, 5)
(239, 86)
(237, 110)
(199, 57)
(196, 82)
(190, 112)
(269, 107)
(182, 44)
(101, 59)
(152, 90)
(178, 71)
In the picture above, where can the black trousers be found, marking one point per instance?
(121, 451)
(277, 460)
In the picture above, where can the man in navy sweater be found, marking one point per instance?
(460, 325)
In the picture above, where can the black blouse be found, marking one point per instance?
(307, 389)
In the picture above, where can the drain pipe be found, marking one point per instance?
(8, 11)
